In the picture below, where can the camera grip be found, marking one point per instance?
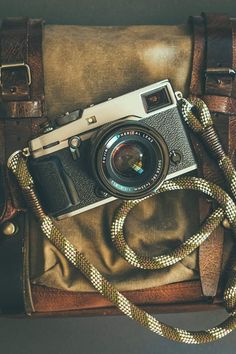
(56, 189)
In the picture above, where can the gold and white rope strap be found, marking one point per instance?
(204, 126)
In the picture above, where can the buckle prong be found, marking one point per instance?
(220, 71)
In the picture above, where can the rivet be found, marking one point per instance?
(226, 223)
(13, 89)
(9, 229)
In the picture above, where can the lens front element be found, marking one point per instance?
(129, 159)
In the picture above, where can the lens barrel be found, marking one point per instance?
(130, 160)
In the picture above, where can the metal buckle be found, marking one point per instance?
(220, 71)
(16, 65)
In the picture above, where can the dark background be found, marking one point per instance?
(111, 334)
(114, 12)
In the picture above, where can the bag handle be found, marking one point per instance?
(17, 163)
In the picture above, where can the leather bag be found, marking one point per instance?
(51, 70)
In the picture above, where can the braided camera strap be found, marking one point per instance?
(203, 125)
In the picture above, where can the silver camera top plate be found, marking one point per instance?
(130, 104)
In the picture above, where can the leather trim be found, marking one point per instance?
(106, 311)
(21, 42)
(169, 296)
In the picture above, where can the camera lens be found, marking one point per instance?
(130, 160)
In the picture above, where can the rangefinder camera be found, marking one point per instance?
(125, 148)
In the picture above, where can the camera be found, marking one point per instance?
(125, 147)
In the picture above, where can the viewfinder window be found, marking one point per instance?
(156, 99)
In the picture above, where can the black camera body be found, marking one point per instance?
(122, 148)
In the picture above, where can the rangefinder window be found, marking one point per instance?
(156, 100)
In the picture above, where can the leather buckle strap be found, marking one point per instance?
(14, 49)
(220, 71)
(21, 98)
(212, 78)
(21, 69)
(219, 87)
